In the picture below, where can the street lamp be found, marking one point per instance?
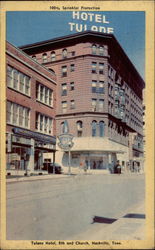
(66, 143)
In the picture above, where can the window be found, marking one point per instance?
(44, 123)
(18, 81)
(62, 128)
(72, 106)
(94, 128)
(64, 71)
(9, 112)
(94, 103)
(53, 56)
(44, 58)
(9, 76)
(101, 128)
(101, 87)
(34, 58)
(21, 82)
(72, 86)
(79, 125)
(15, 79)
(64, 89)
(72, 67)
(18, 115)
(94, 49)
(101, 104)
(73, 53)
(27, 85)
(44, 94)
(94, 83)
(101, 50)
(50, 96)
(64, 106)
(51, 70)
(42, 97)
(101, 68)
(94, 64)
(64, 53)
(21, 115)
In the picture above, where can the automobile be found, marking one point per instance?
(52, 168)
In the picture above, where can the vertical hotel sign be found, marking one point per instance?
(102, 24)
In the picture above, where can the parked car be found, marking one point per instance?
(52, 168)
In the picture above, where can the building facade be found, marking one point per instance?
(30, 113)
(99, 93)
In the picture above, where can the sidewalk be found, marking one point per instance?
(36, 177)
(129, 226)
(13, 179)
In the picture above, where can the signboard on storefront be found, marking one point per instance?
(35, 135)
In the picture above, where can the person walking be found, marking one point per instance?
(117, 169)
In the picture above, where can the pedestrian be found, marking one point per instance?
(117, 169)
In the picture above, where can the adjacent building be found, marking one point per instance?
(30, 108)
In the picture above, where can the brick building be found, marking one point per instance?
(30, 107)
(99, 93)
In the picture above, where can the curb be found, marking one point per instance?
(36, 178)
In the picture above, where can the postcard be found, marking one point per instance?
(77, 124)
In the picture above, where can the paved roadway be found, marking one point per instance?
(62, 208)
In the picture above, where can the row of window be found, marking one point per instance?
(64, 69)
(99, 50)
(53, 56)
(97, 105)
(98, 68)
(18, 81)
(64, 88)
(96, 50)
(97, 128)
(98, 87)
(19, 115)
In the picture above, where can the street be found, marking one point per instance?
(62, 208)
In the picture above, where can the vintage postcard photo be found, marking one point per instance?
(76, 100)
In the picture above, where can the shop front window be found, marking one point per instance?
(19, 158)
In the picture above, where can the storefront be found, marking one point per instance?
(25, 151)
(92, 160)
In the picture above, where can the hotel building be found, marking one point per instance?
(99, 93)
(30, 107)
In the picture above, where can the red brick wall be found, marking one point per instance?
(31, 102)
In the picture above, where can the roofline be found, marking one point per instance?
(82, 34)
(64, 38)
(42, 66)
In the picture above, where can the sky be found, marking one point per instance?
(24, 27)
